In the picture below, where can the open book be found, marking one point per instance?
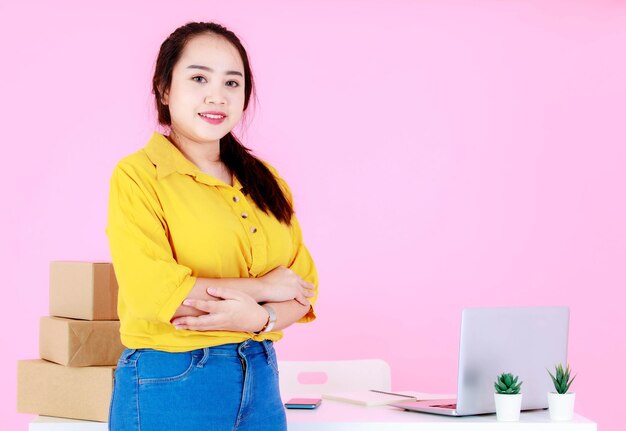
(376, 398)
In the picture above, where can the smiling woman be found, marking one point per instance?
(207, 251)
(208, 74)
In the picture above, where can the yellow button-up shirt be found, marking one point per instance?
(170, 223)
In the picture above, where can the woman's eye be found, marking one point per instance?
(232, 84)
(198, 79)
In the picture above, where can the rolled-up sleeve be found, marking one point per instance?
(303, 265)
(301, 262)
(152, 285)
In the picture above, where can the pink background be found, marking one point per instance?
(443, 154)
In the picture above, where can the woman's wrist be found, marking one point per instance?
(259, 289)
(271, 320)
(266, 321)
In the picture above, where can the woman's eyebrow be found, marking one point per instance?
(208, 69)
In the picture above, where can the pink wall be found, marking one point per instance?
(443, 154)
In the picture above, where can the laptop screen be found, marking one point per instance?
(524, 341)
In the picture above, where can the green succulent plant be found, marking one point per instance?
(507, 384)
(561, 380)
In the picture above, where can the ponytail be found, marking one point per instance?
(258, 181)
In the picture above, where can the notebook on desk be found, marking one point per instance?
(373, 398)
(525, 341)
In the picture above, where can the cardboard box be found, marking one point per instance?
(54, 390)
(83, 290)
(79, 343)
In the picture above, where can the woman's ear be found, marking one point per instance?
(165, 97)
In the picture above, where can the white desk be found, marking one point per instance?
(339, 416)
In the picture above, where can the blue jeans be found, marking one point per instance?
(231, 387)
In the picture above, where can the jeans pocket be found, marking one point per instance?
(123, 413)
(154, 366)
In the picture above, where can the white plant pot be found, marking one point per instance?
(508, 407)
(561, 406)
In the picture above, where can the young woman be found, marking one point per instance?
(207, 252)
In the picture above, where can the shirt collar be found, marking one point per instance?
(168, 159)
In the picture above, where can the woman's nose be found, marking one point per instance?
(215, 96)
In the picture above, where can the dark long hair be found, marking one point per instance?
(257, 180)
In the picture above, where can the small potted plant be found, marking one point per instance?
(561, 403)
(507, 397)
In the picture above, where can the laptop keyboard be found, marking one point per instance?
(445, 406)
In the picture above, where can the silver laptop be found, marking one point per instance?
(525, 341)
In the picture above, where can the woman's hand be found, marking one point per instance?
(282, 284)
(236, 311)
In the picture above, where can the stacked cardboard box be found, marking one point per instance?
(79, 345)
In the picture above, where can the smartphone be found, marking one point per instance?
(303, 403)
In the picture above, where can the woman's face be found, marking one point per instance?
(206, 96)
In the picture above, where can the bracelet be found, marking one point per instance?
(271, 320)
(264, 326)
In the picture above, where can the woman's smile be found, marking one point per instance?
(213, 117)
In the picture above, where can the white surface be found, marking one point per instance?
(342, 376)
(338, 416)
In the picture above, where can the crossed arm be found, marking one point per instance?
(232, 304)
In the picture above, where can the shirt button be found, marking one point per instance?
(253, 229)
(235, 199)
(244, 215)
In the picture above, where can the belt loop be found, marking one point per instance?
(127, 353)
(205, 357)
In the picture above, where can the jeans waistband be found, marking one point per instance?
(233, 349)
